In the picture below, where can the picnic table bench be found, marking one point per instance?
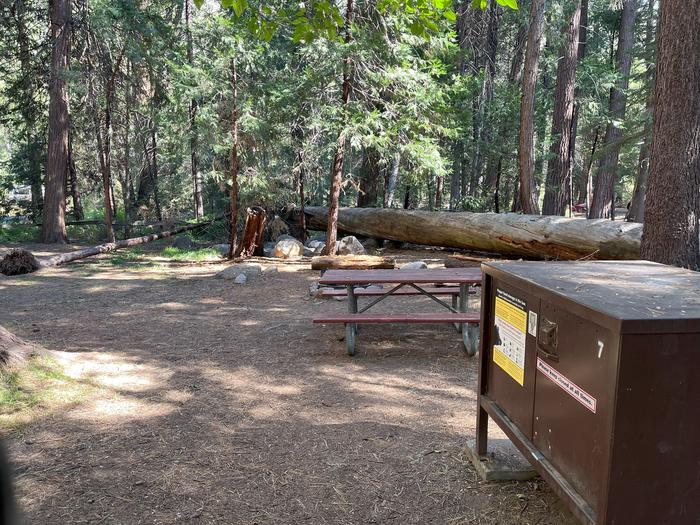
(405, 283)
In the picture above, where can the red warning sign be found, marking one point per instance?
(568, 386)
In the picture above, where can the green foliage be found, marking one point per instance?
(12, 397)
(198, 254)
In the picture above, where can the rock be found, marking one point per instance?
(415, 265)
(269, 249)
(308, 252)
(320, 238)
(285, 236)
(313, 289)
(315, 243)
(276, 228)
(249, 270)
(241, 279)
(287, 248)
(183, 242)
(371, 244)
(350, 246)
(269, 270)
(222, 248)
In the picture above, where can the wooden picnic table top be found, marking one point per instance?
(430, 275)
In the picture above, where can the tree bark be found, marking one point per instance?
(235, 166)
(194, 137)
(556, 193)
(671, 226)
(604, 187)
(73, 181)
(369, 179)
(510, 234)
(439, 189)
(253, 232)
(390, 186)
(54, 212)
(526, 153)
(337, 166)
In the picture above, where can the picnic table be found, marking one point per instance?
(431, 283)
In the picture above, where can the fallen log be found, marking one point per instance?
(352, 262)
(465, 261)
(532, 236)
(64, 258)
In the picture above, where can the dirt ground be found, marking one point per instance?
(212, 402)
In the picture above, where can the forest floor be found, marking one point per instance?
(181, 398)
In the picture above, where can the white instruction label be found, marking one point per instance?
(532, 323)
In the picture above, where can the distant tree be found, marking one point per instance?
(604, 185)
(526, 152)
(557, 185)
(671, 224)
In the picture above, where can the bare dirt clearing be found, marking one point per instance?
(210, 402)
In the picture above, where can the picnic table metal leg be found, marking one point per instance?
(455, 307)
(469, 337)
(471, 340)
(351, 328)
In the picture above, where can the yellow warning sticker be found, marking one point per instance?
(510, 326)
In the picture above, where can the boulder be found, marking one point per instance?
(276, 228)
(350, 246)
(183, 242)
(286, 248)
(241, 279)
(269, 270)
(308, 252)
(222, 248)
(285, 236)
(249, 270)
(269, 249)
(415, 265)
(320, 238)
(315, 243)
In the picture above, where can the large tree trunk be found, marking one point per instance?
(671, 226)
(556, 193)
(53, 228)
(369, 179)
(604, 187)
(510, 234)
(194, 137)
(526, 153)
(337, 166)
